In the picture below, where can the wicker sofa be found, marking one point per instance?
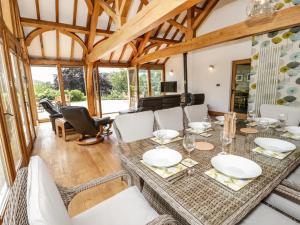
(17, 212)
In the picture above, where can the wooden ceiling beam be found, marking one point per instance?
(47, 62)
(57, 32)
(75, 6)
(280, 20)
(37, 7)
(89, 5)
(155, 13)
(109, 10)
(180, 27)
(203, 14)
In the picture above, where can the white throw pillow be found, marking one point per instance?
(44, 203)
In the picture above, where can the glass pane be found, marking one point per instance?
(26, 95)
(74, 86)
(3, 177)
(143, 86)
(9, 111)
(156, 78)
(20, 97)
(114, 90)
(45, 82)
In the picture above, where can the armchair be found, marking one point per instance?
(91, 129)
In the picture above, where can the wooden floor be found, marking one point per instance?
(71, 164)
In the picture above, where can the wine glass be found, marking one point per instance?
(225, 140)
(207, 122)
(282, 119)
(250, 117)
(189, 143)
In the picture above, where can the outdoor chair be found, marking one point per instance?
(134, 126)
(91, 129)
(169, 118)
(36, 199)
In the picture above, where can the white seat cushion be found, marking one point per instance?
(135, 126)
(265, 215)
(44, 203)
(169, 118)
(196, 113)
(285, 205)
(128, 207)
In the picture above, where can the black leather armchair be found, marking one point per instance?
(85, 125)
(52, 110)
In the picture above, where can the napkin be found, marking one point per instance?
(291, 136)
(277, 155)
(200, 132)
(157, 140)
(188, 162)
(232, 183)
(166, 172)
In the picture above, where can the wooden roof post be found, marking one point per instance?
(90, 89)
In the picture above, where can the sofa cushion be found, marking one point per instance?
(44, 203)
(127, 207)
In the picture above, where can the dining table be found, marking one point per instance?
(198, 199)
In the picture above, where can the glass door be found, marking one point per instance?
(24, 82)
(21, 102)
(9, 113)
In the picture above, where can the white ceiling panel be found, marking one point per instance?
(77, 51)
(82, 13)
(49, 40)
(98, 38)
(178, 36)
(27, 8)
(27, 30)
(105, 57)
(82, 36)
(117, 54)
(65, 46)
(103, 21)
(47, 10)
(34, 49)
(133, 8)
(163, 30)
(171, 33)
(66, 11)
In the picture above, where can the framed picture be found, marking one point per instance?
(239, 77)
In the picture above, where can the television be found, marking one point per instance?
(169, 86)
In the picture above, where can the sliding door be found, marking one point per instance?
(21, 100)
(9, 113)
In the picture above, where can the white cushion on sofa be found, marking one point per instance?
(127, 207)
(44, 203)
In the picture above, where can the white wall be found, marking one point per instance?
(226, 13)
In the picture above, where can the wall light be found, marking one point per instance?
(171, 73)
(211, 67)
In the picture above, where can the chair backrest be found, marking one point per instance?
(49, 107)
(134, 126)
(273, 111)
(169, 118)
(16, 211)
(80, 119)
(195, 113)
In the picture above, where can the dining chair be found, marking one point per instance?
(273, 111)
(134, 126)
(36, 199)
(169, 118)
(195, 113)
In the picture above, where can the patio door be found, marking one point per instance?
(240, 86)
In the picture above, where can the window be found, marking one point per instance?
(9, 113)
(156, 78)
(46, 86)
(3, 177)
(74, 86)
(143, 84)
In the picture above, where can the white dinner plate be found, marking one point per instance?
(199, 125)
(293, 130)
(275, 145)
(166, 134)
(162, 157)
(236, 166)
(263, 120)
(220, 118)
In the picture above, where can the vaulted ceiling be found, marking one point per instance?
(60, 29)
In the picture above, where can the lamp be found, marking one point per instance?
(171, 73)
(211, 67)
(260, 7)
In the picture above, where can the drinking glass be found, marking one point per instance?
(282, 119)
(225, 140)
(250, 116)
(189, 143)
(207, 123)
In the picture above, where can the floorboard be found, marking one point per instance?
(71, 164)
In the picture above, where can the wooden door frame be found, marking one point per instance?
(233, 81)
